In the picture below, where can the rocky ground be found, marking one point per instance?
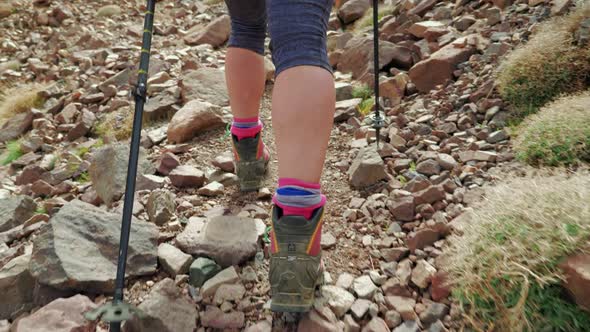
(197, 251)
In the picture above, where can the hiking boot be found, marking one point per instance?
(251, 161)
(296, 268)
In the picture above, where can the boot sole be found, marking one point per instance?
(292, 302)
(251, 174)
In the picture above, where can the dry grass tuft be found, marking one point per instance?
(367, 19)
(116, 125)
(549, 65)
(505, 265)
(18, 99)
(559, 135)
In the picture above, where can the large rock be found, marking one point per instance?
(14, 211)
(207, 84)
(16, 126)
(192, 119)
(166, 309)
(439, 67)
(16, 287)
(577, 278)
(229, 240)
(78, 249)
(353, 10)
(357, 57)
(215, 33)
(367, 168)
(61, 315)
(108, 170)
(187, 176)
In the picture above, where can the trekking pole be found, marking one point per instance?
(378, 121)
(118, 311)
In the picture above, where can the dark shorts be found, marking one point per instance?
(297, 30)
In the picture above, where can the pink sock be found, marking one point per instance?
(298, 197)
(246, 127)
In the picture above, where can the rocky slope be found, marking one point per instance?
(390, 208)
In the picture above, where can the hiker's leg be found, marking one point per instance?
(303, 97)
(245, 78)
(244, 63)
(303, 110)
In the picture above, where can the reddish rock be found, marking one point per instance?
(193, 118)
(42, 188)
(422, 238)
(167, 163)
(215, 34)
(423, 7)
(187, 176)
(429, 195)
(61, 315)
(215, 318)
(419, 29)
(394, 88)
(323, 320)
(439, 68)
(440, 289)
(577, 278)
(29, 174)
(16, 126)
(402, 208)
(353, 10)
(357, 57)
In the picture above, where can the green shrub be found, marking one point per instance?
(549, 65)
(13, 152)
(504, 267)
(559, 135)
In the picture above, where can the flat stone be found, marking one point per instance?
(359, 308)
(108, 170)
(61, 315)
(229, 240)
(225, 161)
(173, 260)
(212, 189)
(364, 287)
(339, 299)
(217, 319)
(165, 309)
(215, 33)
(422, 274)
(403, 305)
(14, 211)
(193, 118)
(78, 249)
(227, 276)
(322, 319)
(422, 238)
(228, 292)
(345, 280)
(16, 286)
(187, 176)
(402, 208)
(376, 325)
(168, 161)
(408, 326)
(207, 84)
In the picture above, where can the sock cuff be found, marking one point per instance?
(241, 120)
(245, 132)
(322, 202)
(283, 182)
